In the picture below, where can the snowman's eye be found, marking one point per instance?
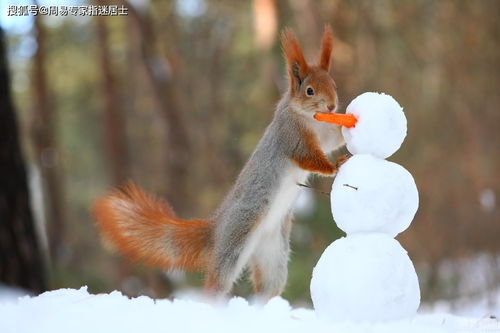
(309, 91)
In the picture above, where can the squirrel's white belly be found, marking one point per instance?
(267, 233)
(284, 199)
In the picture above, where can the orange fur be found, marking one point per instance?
(145, 228)
(322, 83)
(313, 159)
(257, 279)
(326, 48)
(293, 54)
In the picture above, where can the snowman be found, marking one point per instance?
(367, 275)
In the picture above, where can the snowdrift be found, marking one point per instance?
(71, 310)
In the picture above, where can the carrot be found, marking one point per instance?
(347, 120)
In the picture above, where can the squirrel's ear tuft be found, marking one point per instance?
(296, 63)
(326, 48)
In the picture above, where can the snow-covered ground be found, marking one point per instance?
(71, 310)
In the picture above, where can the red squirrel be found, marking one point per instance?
(251, 227)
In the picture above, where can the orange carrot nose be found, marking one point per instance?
(347, 120)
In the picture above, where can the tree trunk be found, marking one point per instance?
(113, 113)
(21, 262)
(45, 146)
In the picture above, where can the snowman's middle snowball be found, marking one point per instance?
(370, 194)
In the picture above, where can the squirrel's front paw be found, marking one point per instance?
(341, 160)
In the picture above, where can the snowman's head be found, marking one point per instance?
(373, 124)
(312, 89)
(380, 128)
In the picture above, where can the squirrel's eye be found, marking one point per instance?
(309, 91)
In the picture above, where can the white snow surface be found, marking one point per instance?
(381, 126)
(373, 195)
(365, 277)
(71, 310)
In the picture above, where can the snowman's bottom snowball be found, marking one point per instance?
(365, 277)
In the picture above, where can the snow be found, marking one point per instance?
(487, 199)
(485, 304)
(381, 126)
(8, 293)
(71, 310)
(365, 277)
(373, 195)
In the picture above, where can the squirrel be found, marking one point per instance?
(251, 227)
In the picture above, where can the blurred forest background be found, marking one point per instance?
(176, 94)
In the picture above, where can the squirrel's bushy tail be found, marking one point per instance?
(145, 228)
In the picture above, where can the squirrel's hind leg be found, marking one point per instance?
(219, 280)
(269, 263)
(231, 255)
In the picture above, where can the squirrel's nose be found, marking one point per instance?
(331, 107)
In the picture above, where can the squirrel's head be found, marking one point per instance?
(312, 89)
